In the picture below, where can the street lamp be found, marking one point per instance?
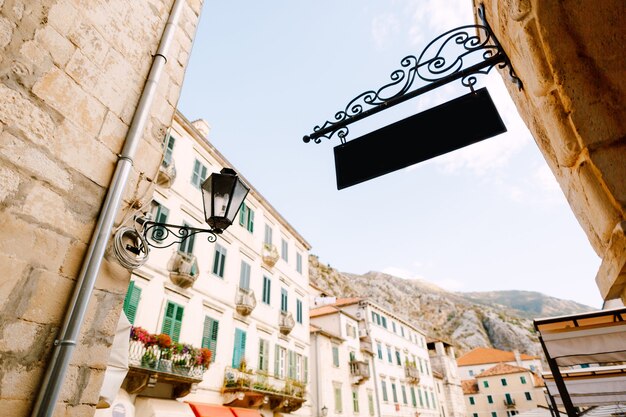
(222, 195)
(324, 411)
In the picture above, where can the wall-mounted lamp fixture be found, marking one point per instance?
(222, 196)
(324, 411)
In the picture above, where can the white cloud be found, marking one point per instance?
(449, 284)
(384, 27)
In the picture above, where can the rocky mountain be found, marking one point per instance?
(500, 319)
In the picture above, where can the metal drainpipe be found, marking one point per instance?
(318, 376)
(67, 338)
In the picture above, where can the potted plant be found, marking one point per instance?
(164, 342)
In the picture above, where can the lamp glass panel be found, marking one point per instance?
(238, 195)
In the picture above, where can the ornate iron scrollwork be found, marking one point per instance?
(474, 50)
(163, 235)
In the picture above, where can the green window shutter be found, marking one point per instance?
(168, 320)
(413, 399)
(209, 335)
(276, 360)
(244, 276)
(239, 349)
(263, 355)
(306, 369)
(131, 301)
(250, 220)
(169, 149)
(242, 214)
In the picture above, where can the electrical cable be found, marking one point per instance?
(125, 256)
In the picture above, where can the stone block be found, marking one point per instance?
(599, 207)
(9, 182)
(18, 112)
(38, 305)
(611, 163)
(19, 336)
(113, 133)
(19, 382)
(51, 209)
(533, 68)
(13, 272)
(103, 314)
(83, 71)
(57, 45)
(94, 353)
(69, 392)
(34, 161)
(6, 31)
(73, 261)
(16, 408)
(27, 242)
(611, 277)
(35, 55)
(88, 156)
(79, 410)
(62, 93)
(91, 391)
(90, 42)
(63, 15)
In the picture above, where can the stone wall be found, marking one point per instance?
(71, 73)
(570, 55)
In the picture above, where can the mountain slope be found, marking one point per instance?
(466, 321)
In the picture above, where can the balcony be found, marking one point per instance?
(167, 174)
(252, 389)
(411, 373)
(183, 269)
(285, 322)
(509, 403)
(366, 345)
(166, 372)
(269, 254)
(245, 301)
(359, 370)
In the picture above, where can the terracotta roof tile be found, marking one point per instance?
(502, 369)
(322, 311)
(539, 382)
(470, 386)
(347, 301)
(481, 355)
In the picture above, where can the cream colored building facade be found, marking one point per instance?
(480, 359)
(245, 298)
(503, 390)
(341, 371)
(401, 370)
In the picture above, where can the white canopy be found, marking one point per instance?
(155, 407)
(117, 366)
(600, 385)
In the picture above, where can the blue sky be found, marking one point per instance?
(487, 217)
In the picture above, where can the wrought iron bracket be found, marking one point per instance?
(479, 53)
(163, 235)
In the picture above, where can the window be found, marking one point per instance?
(402, 330)
(199, 173)
(219, 260)
(299, 262)
(336, 355)
(284, 250)
(503, 380)
(244, 276)
(380, 351)
(398, 360)
(299, 311)
(432, 397)
(383, 385)
(383, 320)
(394, 392)
(131, 302)
(268, 235)
(393, 325)
(413, 399)
(280, 359)
(305, 368)
(186, 245)
(527, 395)
(291, 364)
(389, 357)
(264, 355)
(489, 399)
(419, 392)
(267, 289)
(471, 373)
(471, 401)
(209, 335)
(239, 348)
(370, 402)
(522, 379)
(283, 299)
(486, 384)
(474, 414)
(426, 398)
(421, 366)
(403, 390)
(246, 217)
(173, 320)
(298, 367)
(160, 216)
(168, 144)
(338, 405)
(508, 399)
(355, 401)
(494, 414)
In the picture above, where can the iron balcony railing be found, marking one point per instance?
(245, 301)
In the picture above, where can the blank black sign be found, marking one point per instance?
(453, 125)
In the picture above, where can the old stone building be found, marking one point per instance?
(71, 77)
(570, 57)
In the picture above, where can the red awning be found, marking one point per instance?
(245, 412)
(210, 410)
